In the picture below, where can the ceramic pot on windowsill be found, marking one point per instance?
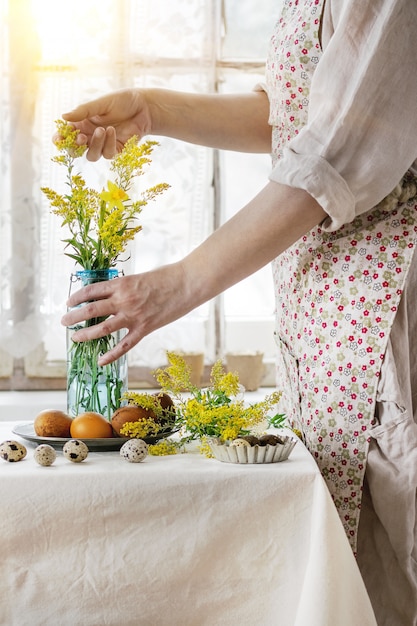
(91, 387)
(249, 366)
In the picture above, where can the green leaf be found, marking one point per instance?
(277, 421)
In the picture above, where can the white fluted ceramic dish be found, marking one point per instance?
(253, 454)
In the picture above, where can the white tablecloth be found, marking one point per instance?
(179, 540)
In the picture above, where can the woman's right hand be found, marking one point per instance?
(105, 124)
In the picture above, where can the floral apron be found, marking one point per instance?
(336, 293)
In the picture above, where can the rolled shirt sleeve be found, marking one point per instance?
(361, 134)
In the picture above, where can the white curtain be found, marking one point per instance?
(54, 55)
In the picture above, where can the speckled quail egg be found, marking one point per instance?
(240, 443)
(44, 455)
(12, 451)
(134, 450)
(75, 450)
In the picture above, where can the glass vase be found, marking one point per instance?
(91, 387)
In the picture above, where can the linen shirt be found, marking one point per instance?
(361, 134)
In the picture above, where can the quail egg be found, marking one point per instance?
(44, 455)
(12, 451)
(134, 450)
(240, 443)
(75, 450)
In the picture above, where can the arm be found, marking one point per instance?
(231, 122)
(264, 228)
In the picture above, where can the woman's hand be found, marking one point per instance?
(107, 123)
(139, 303)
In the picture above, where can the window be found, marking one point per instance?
(52, 59)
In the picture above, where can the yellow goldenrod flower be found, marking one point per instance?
(212, 412)
(150, 402)
(100, 224)
(204, 448)
(144, 427)
(177, 376)
(67, 141)
(163, 448)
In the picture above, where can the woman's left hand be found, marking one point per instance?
(139, 303)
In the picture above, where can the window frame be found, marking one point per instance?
(34, 371)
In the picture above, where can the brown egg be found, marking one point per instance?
(251, 439)
(91, 425)
(270, 439)
(168, 409)
(165, 400)
(52, 423)
(129, 413)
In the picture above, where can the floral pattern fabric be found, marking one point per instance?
(336, 293)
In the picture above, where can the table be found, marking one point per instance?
(179, 540)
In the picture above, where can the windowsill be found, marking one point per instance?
(25, 405)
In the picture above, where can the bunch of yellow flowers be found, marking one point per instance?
(100, 223)
(217, 411)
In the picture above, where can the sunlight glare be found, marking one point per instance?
(59, 26)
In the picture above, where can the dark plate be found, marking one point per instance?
(27, 432)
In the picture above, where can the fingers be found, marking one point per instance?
(101, 144)
(140, 303)
(123, 347)
(78, 114)
(90, 311)
(110, 145)
(89, 119)
(96, 291)
(102, 306)
(84, 111)
(110, 325)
